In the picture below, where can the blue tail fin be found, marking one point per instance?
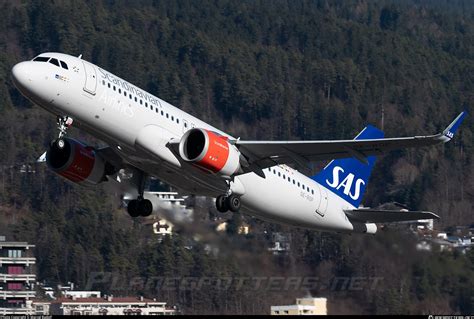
(348, 177)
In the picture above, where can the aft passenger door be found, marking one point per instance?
(322, 200)
(90, 84)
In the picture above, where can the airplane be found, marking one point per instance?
(150, 137)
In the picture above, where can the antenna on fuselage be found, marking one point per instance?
(80, 56)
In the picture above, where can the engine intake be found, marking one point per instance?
(76, 162)
(210, 151)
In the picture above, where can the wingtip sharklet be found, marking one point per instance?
(435, 216)
(449, 131)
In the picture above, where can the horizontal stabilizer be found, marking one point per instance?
(387, 216)
(42, 158)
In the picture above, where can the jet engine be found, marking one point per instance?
(76, 162)
(210, 151)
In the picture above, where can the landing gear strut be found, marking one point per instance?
(140, 206)
(63, 123)
(225, 203)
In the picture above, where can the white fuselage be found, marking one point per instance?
(120, 113)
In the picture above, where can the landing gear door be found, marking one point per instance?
(91, 78)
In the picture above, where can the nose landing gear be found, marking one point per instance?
(63, 122)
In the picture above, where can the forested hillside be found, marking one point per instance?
(259, 69)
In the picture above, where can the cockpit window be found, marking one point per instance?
(41, 59)
(54, 61)
(63, 65)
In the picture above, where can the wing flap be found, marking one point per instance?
(387, 216)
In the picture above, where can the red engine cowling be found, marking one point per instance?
(76, 162)
(210, 151)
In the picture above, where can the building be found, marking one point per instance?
(243, 229)
(110, 306)
(40, 307)
(424, 224)
(81, 294)
(303, 306)
(221, 227)
(17, 277)
(442, 236)
(48, 291)
(163, 227)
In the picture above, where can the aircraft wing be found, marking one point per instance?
(387, 216)
(268, 153)
(109, 154)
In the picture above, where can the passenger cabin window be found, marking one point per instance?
(41, 59)
(54, 61)
(63, 65)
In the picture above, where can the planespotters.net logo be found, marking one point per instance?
(449, 317)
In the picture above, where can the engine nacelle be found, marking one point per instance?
(76, 162)
(364, 228)
(210, 151)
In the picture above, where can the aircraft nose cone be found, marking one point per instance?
(20, 74)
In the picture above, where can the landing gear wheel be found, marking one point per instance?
(222, 204)
(140, 207)
(60, 143)
(145, 207)
(234, 203)
(133, 208)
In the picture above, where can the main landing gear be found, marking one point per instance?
(225, 203)
(140, 206)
